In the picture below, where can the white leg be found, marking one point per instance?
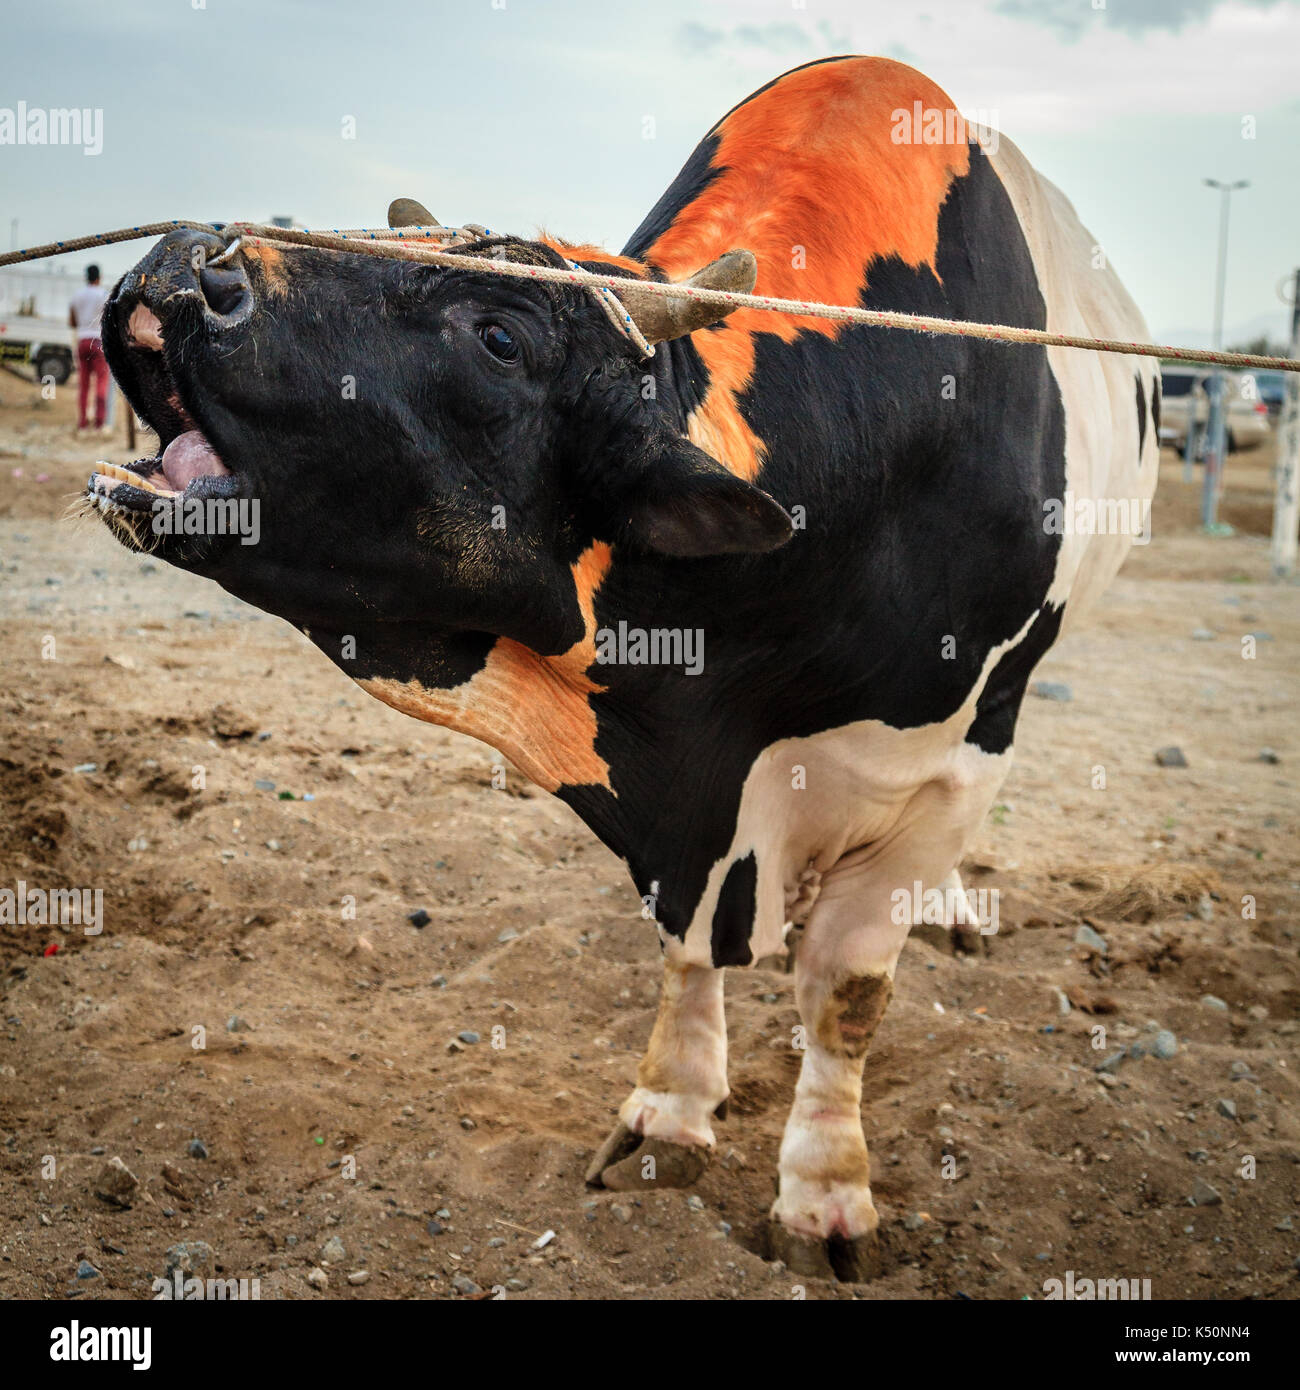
(681, 1082)
(824, 1219)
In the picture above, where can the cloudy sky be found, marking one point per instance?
(527, 113)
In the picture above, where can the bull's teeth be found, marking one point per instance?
(124, 475)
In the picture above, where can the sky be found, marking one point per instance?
(574, 115)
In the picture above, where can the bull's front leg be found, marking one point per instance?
(664, 1133)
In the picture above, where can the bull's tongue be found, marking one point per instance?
(190, 456)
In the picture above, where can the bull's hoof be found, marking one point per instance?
(626, 1162)
(851, 1260)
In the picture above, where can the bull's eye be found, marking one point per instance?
(499, 342)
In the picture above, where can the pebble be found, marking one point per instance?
(434, 1228)
(463, 1284)
(621, 1213)
(317, 1278)
(1170, 757)
(468, 1035)
(1165, 1045)
(1052, 690)
(86, 1270)
(264, 784)
(86, 767)
(333, 1250)
(116, 1183)
(419, 918)
(1202, 634)
(1203, 1195)
(695, 1202)
(1111, 1064)
(1259, 1012)
(235, 1024)
(1266, 755)
(508, 935)
(1240, 1069)
(196, 1148)
(1228, 1109)
(1093, 940)
(189, 1257)
(358, 1277)
(1212, 1001)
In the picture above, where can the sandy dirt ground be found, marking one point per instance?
(343, 1126)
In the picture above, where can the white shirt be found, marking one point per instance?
(87, 306)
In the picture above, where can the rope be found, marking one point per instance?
(402, 243)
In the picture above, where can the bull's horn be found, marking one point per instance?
(664, 316)
(406, 212)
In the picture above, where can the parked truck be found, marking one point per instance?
(34, 321)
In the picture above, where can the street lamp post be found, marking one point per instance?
(1216, 428)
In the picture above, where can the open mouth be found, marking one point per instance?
(187, 464)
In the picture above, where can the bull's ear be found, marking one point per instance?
(682, 502)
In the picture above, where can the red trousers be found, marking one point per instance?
(90, 363)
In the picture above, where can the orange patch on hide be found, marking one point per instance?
(534, 709)
(270, 261)
(588, 252)
(814, 185)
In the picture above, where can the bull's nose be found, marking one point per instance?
(179, 267)
(226, 291)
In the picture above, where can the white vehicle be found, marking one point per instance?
(34, 321)
(1184, 395)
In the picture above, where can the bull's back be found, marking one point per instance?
(1111, 401)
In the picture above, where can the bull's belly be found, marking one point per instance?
(897, 803)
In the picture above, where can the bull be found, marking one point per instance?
(848, 521)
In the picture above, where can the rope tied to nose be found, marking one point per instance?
(413, 242)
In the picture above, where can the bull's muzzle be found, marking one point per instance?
(180, 267)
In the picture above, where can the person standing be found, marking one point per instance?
(84, 316)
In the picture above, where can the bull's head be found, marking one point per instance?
(431, 449)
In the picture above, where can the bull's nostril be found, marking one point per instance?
(226, 290)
